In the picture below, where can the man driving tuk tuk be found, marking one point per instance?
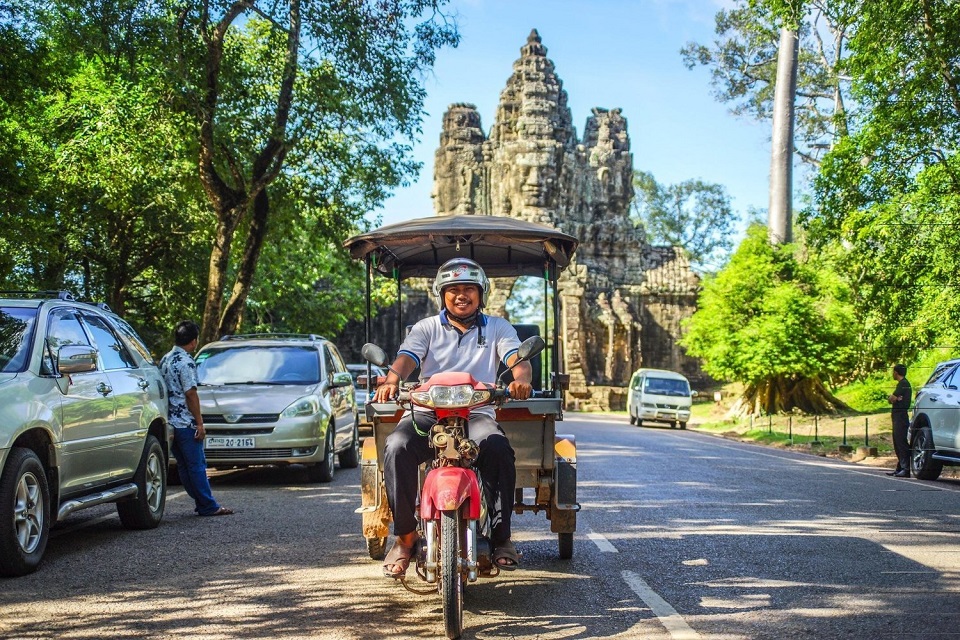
(462, 338)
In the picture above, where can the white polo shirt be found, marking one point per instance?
(437, 346)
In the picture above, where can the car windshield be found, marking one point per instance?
(16, 335)
(666, 387)
(258, 365)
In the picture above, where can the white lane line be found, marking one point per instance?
(602, 543)
(672, 621)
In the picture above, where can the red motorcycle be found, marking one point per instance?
(454, 528)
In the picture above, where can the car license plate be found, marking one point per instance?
(226, 442)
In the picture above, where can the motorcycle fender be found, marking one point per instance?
(447, 489)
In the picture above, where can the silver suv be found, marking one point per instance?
(935, 428)
(83, 413)
(278, 399)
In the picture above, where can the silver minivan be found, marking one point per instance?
(658, 395)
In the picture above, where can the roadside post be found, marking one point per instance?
(844, 447)
(866, 450)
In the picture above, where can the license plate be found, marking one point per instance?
(226, 442)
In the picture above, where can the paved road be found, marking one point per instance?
(682, 536)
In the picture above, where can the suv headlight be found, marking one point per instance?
(463, 395)
(306, 406)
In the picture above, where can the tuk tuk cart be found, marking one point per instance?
(546, 461)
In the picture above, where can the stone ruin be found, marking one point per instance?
(622, 299)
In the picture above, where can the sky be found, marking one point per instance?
(608, 53)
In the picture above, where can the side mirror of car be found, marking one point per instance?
(341, 379)
(694, 394)
(76, 359)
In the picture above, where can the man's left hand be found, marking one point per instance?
(519, 390)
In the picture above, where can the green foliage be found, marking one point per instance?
(743, 64)
(888, 195)
(693, 215)
(769, 314)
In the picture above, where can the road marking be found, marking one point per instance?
(602, 543)
(672, 621)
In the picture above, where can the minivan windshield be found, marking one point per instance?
(16, 336)
(666, 387)
(258, 365)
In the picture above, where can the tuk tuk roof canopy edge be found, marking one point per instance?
(503, 246)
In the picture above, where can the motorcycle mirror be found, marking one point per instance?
(531, 347)
(528, 349)
(374, 354)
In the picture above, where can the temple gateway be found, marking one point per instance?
(622, 299)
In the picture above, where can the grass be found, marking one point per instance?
(869, 426)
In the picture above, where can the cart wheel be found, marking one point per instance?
(565, 543)
(377, 548)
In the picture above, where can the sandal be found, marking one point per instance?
(399, 556)
(222, 511)
(506, 557)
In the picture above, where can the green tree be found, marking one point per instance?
(888, 192)
(340, 80)
(743, 65)
(693, 215)
(777, 323)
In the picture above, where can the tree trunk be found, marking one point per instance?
(233, 313)
(780, 215)
(786, 394)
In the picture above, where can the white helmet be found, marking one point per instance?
(460, 271)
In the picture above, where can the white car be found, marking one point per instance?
(934, 434)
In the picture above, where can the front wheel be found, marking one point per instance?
(451, 584)
(323, 470)
(24, 513)
(633, 419)
(349, 458)
(922, 464)
(145, 510)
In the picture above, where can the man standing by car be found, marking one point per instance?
(180, 373)
(900, 401)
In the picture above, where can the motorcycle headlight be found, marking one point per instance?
(306, 406)
(463, 395)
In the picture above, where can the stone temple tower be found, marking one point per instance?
(623, 300)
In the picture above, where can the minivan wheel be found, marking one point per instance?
(323, 470)
(24, 513)
(146, 509)
(922, 464)
(349, 458)
(633, 419)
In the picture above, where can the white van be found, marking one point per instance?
(658, 395)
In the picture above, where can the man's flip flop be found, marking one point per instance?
(505, 556)
(399, 556)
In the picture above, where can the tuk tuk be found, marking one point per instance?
(546, 461)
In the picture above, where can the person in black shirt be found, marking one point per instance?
(900, 401)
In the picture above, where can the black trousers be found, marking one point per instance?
(405, 450)
(901, 423)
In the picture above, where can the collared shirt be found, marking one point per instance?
(905, 391)
(437, 346)
(180, 373)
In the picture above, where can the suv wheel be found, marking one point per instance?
(323, 470)
(922, 464)
(349, 458)
(24, 513)
(146, 509)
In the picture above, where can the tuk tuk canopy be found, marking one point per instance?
(503, 246)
